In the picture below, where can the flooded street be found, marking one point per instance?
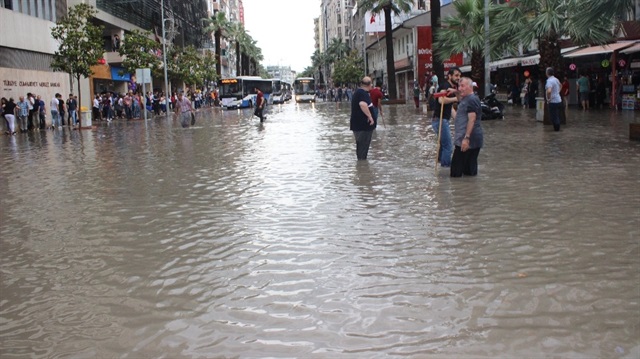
(241, 239)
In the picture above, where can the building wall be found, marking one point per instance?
(26, 52)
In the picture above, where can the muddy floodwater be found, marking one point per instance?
(236, 239)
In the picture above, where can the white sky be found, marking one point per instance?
(283, 30)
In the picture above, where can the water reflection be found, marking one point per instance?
(235, 238)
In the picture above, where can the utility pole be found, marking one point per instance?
(167, 95)
(487, 54)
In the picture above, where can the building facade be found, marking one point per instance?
(27, 48)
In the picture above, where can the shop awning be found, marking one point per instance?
(601, 49)
(632, 49)
(503, 64)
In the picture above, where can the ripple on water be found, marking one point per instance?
(243, 239)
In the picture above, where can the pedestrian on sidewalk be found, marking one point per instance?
(469, 136)
(361, 122)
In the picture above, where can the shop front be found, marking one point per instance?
(109, 79)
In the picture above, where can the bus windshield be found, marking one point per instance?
(230, 88)
(304, 86)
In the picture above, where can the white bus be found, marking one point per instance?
(237, 92)
(305, 89)
(281, 91)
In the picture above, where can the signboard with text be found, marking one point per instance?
(425, 54)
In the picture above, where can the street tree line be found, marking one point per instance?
(511, 25)
(81, 47)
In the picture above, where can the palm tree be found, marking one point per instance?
(547, 21)
(464, 32)
(337, 49)
(320, 60)
(388, 6)
(236, 33)
(217, 24)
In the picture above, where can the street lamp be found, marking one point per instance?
(167, 95)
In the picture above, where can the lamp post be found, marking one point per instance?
(167, 95)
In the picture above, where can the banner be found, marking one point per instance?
(425, 55)
(373, 22)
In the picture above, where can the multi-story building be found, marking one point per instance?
(182, 23)
(27, 48)
(283, 73)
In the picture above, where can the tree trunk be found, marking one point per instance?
(438, 68)
(391, 69)
(477, 71)
(237, 58)
(550, 56)
(217, 36)
(79, 105)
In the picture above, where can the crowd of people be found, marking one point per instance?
(30, 112)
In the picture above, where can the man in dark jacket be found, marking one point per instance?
(362, 123)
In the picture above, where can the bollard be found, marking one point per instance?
(85, 118)
(540, 109)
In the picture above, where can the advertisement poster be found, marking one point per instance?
(425, 54)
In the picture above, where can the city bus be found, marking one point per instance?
(237, 92)
(305, 89)
(280, 89)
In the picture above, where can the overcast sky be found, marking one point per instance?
(283, 30)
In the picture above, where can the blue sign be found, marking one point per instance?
(115, 74)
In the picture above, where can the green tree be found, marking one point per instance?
(388, 6)
(218, 24)
(320, 60)
(547, 21)
(310, 71)
(188, 66)
(139, 51)
(81, 44)
(237, 33)
(337, 49)
(348, 70)
(464, 32)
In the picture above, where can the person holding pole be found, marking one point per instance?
(445, 112)
(469, 136)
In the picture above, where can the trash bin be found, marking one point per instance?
(85, 118)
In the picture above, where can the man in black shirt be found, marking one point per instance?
(361, 122)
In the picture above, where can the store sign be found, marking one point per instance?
(15, 83)
(425, 54)
(621, 63)
(605, 63)
(572, 67)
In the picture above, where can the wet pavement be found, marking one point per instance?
(241, 239)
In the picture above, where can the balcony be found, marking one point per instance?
(113, 57)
